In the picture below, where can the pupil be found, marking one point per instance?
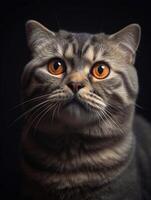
(56, 65)
(100, 69)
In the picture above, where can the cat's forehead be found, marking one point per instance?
(79, 37)
(83, 44)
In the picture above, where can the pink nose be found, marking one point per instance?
(75, 86)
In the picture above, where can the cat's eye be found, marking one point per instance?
(100, 70)
(56, 66)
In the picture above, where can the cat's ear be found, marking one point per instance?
(37, 35)
(128, 38)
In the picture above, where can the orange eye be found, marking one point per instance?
(100, 70)
(56, 66)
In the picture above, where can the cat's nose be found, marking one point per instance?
(75, 86)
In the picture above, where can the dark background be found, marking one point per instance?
(92, 16)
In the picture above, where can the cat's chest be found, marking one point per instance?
(70, 163)
(124, 188)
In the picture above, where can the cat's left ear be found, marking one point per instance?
(37, 35)
(128, 39)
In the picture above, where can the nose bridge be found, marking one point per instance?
(77, 77)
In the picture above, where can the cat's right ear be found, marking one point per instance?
(37, 35)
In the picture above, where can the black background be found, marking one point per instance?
(107, 16)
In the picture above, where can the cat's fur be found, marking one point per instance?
(91, 149)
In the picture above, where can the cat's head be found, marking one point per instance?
(83, 77)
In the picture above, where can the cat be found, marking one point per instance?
(81, 138)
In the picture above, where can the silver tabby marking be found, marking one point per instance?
(66, 144)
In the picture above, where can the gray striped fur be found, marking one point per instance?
(82, 145)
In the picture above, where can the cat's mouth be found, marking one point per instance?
(75, 103)
(75, 113)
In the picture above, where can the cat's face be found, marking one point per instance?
(83, 77)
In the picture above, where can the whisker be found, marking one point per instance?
(138, 106)
(107, 115)
(115, 107)
(58, 110)
(45, 111)
(99, 116)
(53, 114)
(37, 98)
(30, 100)
(25, 113)
(107, 112)
(37, 113)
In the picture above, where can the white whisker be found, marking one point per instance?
(45, 111)
(53, 114)
(30, 100)
(107, 112)
(28, 111)
(36, 114)
(37, 98)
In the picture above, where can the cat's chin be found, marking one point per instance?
(74, 114)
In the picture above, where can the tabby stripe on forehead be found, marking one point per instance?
(97, 51)
(89, 53)
(64, 49)
(74, 48)
(68, 51)
(85, 49)
(70, 38)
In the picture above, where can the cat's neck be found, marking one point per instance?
(74, 157)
